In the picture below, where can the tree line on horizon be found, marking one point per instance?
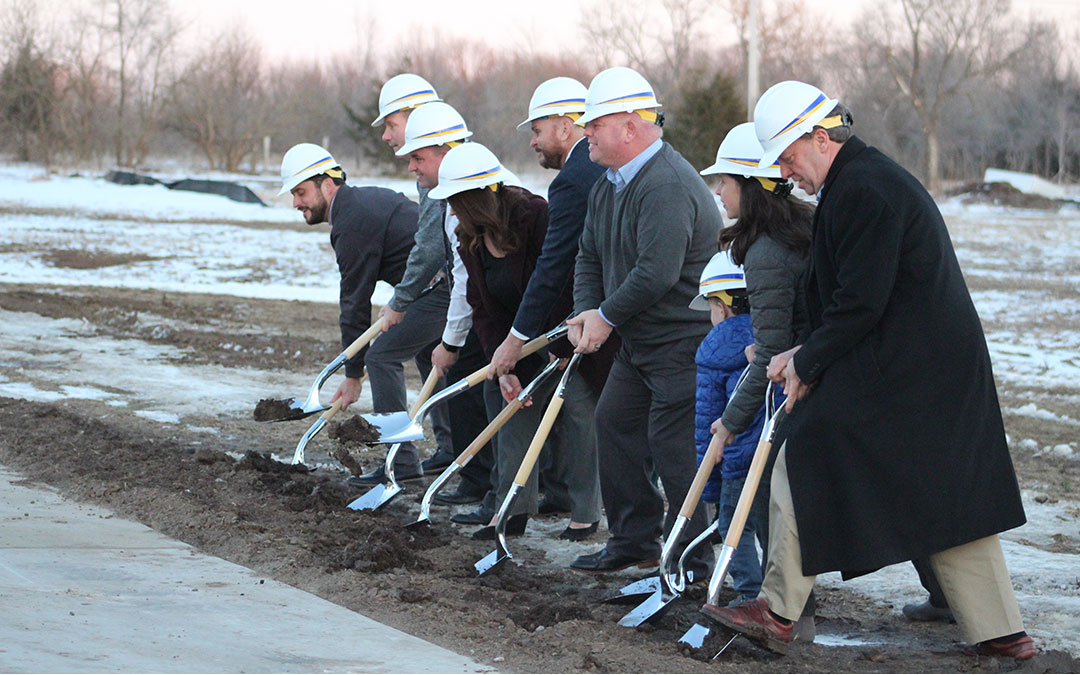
(947, 87)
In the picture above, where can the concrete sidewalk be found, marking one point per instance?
(84, 591)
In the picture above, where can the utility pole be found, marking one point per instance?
(753, 59)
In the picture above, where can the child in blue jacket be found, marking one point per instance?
(721, 359)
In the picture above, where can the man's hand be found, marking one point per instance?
(506, 356)
(750, 350)
(348, 392)
(588, 331)
(442, 360)
(782, 369)
(510, 386)
(390, 317)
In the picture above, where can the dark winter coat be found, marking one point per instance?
(720, 361)
(371, 231)
(899, 451)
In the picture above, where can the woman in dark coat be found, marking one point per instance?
(501, 231)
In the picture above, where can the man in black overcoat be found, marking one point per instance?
(895, 445)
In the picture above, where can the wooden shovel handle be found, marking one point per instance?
(746, 497)
(365, 337)
(531, 347)
(425, 392)
(537, 443)
(490, 430)
(708, 462)
(334, 409)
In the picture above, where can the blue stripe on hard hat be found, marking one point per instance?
(415, 94)
(482, 174)
(325, 160)
(443, 132)
(628, 97)
(803, 115)
(565, 101)
(733, 276)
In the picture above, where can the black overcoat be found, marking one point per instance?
(899, 451)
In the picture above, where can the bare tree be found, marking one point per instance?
(28, 92)
(218, 102)
(935, 50)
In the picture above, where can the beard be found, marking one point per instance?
(550, 160)
(316, 213)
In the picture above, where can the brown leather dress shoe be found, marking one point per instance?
(1021, 649)
(754, 620)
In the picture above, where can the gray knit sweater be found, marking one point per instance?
(427, 256)
(775, 281)
(643, 250)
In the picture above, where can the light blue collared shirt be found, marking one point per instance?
(622, 176)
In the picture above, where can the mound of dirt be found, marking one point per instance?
(1003, 194)
(354, 431)
(276, 410)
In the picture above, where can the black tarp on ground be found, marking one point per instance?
(234, 191)
(129, 178)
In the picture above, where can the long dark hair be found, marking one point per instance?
(785, 219)
(486, 212)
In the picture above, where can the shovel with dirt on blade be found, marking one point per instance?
(528, 463)
(408, 426)
(295, 409)
(698, 633)
(478, 443)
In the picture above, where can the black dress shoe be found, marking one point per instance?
(579, 533)
(547, 508)
(602, 561)
(378, 476)
(515, 527)
(456, 497)
(436, 463)
(481, 516)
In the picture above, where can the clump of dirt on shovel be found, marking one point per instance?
(354, 431)
(274, 409)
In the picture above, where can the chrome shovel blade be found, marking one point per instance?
(375, 497)
(696, 636)
(489, 561)
(651, 609)
(630, 592)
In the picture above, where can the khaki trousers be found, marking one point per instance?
(973, 576)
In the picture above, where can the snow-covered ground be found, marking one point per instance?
(208, 244)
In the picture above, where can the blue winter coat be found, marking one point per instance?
(720, 360)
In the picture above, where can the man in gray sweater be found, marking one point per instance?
(651, 227)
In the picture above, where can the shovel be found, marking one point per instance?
(695, 637)
(652, 586)
(384, 492)
(311, 405)
(459, 463)
(335, 408)
(412, 428)
(501, 553)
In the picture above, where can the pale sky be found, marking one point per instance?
(291, 30)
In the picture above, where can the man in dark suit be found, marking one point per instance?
(899, 451)
(571, 482)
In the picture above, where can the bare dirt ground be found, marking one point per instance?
(217, 492)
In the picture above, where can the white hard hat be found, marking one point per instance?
(433, 124)
(785, 112)
(739, 154)
(557, 96)
(617, 90)
(402, 92)
(303, 161)
(720, 274)
(469, 166)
